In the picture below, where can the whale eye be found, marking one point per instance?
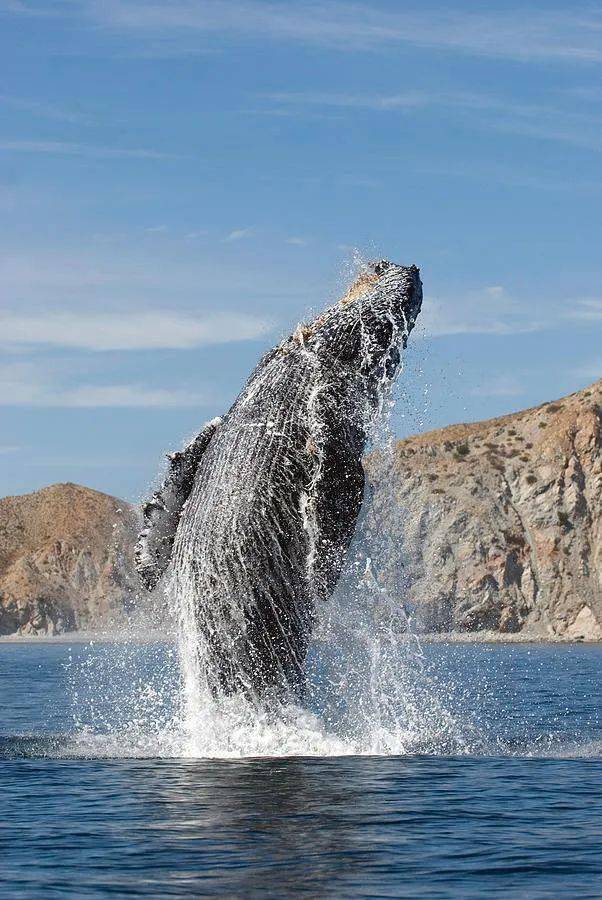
(380, 266)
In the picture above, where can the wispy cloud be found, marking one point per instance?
(540, 34)
(512, 175)
(29, 9)
(296, 241)
(29, 384)
(592, 369)
(43, 110)
(488, 311)
(405, 100)
(123, 395)
(341, 100)
(129, 330)
(590, 93)
(9, 448)
(511, 31)
(555, 125)
(238, 234)
(70, 148)
(500, 386)
(503, 114)
(587, 310)
(179, 281)
(529, 35)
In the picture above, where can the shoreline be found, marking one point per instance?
(151, 637)
(493, 637)
(89, 637)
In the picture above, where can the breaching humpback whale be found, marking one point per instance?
(255, 515)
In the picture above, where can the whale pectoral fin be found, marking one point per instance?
(162, 512)
(337, 510)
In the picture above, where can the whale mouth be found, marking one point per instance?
(366, 281)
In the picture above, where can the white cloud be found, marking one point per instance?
(25, 8)
(591, 370)
(568, 35)
(340, 100)
(238, 234)
(500, 386)
(29, 384)
(42, 110)
(589, 310)
(496, 290)
(404, 100)
(126, 395)
(128, 330)
(540, 121)
(69, 148)
(567, 128)
(513, 175)
(9, 448)
(55, 271)
(488, 311)
(296, 241)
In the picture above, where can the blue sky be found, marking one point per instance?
(181, 182)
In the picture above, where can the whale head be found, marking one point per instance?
(367, 328)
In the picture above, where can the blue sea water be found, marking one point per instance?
(507, 803)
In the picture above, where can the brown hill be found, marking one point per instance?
(494, 527)
(65, 561)
(498, 525)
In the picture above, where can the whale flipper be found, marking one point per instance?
(336, 509)
(162, 512)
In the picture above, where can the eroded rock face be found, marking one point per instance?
(498, 525)
(492, 527)
(65, 561)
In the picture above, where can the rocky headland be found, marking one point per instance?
(495, 528)
(488, 531)
(65, 561)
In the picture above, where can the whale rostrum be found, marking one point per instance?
(254, 517)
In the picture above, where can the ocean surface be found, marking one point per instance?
(494, 787)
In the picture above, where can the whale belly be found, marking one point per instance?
(241, 552)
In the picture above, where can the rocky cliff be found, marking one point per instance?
(65, 561)
(497, 526)
(490, 528)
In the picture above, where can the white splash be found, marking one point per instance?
(368, 689)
